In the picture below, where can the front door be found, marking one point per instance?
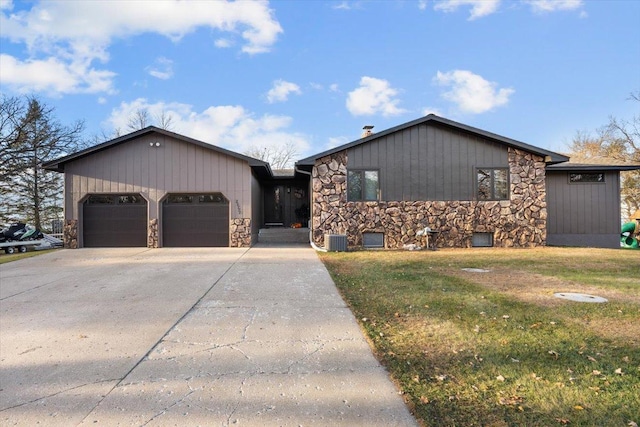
(273, 205)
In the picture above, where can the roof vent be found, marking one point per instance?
(366, 131)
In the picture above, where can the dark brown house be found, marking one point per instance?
(473, 187)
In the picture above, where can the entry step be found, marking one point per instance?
(283, 235)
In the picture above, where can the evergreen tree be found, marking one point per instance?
(31, 135)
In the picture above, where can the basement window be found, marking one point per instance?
(482, 240)
(373, 240)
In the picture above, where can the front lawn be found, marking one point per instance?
(5, 258)
(496, 348)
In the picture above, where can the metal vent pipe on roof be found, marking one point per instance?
(366, 131)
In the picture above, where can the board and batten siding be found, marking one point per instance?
(583, 214)
(153, 171)
(427, 162)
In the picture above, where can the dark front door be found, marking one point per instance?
(191, 220)
(286, 203)
(273, 205)
(114, 220)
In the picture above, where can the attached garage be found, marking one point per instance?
(190, 220)
(189, 193)
(114, 220)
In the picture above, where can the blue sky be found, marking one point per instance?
(312, 73)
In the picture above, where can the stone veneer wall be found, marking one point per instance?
(240, 232)
(152, 233)
(517, 222)
(70, 234)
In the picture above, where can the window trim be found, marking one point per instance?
(362, 172)
(492, 186)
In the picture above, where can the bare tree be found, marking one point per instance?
(11, 112)
(139, 120)
(164, 120)
(30, 136)
(279, 157)
(618, 140)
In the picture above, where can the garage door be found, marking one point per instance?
(195, 220)
(114, 220)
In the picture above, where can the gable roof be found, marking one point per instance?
(551, 156)
(262, 168)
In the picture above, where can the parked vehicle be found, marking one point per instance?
(14, 232)
(32, 233)
(19, 237)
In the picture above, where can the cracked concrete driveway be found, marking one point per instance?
(189, 336)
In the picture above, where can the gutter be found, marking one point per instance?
(313, 245)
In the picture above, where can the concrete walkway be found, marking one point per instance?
(193, 336)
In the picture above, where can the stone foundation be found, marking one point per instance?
(517, 222)
(70, 234)
(240, 233)
(152, 233)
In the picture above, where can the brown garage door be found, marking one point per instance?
(190, 220)
(114, 220)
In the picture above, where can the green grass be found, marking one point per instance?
(4, 258)
(471, 352)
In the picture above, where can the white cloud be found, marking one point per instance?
(54, 76)
(98, 22)
(162, 69)
(345, 5)
(479, 8)
(6, 4)
(372, 97)
(228, 126)
(333, 87)
(422, 4)
(74, 34)
(541, 6)
(470, 92)
(316, 86)
(223, 43)
(281, 90)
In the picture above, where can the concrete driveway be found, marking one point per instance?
(193, 336)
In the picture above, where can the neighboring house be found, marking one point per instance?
(156, 188)
(474, 187)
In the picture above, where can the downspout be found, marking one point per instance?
(313, 245)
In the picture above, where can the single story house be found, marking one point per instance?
(156, 188)
(473, 187)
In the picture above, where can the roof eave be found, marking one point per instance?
(586, 167)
